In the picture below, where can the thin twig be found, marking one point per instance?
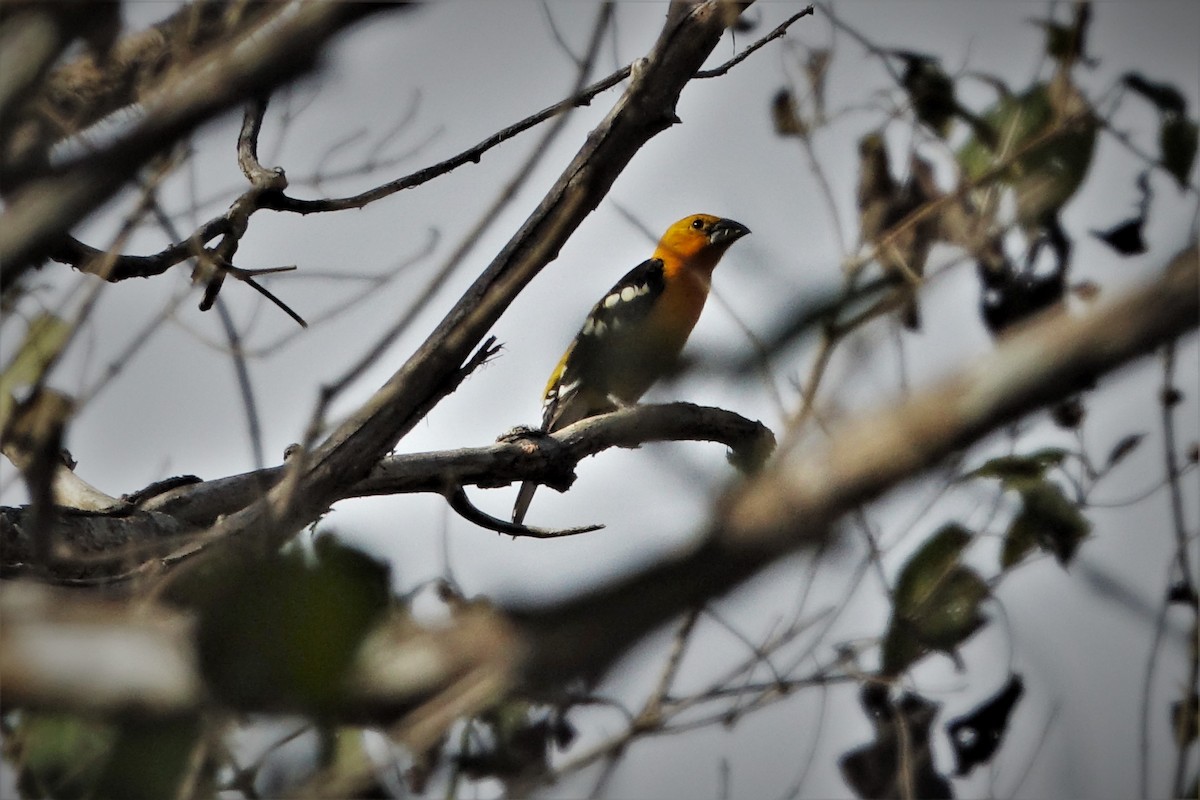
(776, 33)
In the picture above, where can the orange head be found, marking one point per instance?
(698, 242)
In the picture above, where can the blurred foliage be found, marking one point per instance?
(44, 339)
(60, 756)
(936, 601)
(1043, 160)
(933, 97)
(57, 755)
(1047, 518)
(976, 736)
(286, 627)
(519, 742)
(283, 629)
(1019, 467)
(1178, 135)
(148, 759)
(899, 762)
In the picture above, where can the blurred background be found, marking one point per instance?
(401, 92)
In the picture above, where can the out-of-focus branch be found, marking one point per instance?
(117, 74)
(584, 97)
(100, 547)
(794, 502)
(427, 678)
(121, 267)
(646, 108)
(46, 207)
(81, 654)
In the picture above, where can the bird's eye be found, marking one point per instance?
(698, 224)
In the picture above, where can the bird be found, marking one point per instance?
(634, 334)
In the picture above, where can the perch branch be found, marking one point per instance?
(427, 678)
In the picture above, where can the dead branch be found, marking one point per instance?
(646, 108)
(109, 543)
(795, 501)
(427, 678)
(44, 209)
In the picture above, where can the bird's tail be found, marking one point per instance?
(524, 498)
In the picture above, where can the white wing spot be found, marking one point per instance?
(628, 293)
(588, 324)
(612, 300)
(599, 328)
(643, 289)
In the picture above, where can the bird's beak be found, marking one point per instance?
(726, 231)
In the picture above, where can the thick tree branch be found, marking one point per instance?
(45, 208)
(794, 502)
(347, 456)
(122, 266)
(111, 75)
(96, 547)
(431, 677)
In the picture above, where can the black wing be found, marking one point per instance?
(598, 342)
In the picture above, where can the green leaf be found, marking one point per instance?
(936, 601)
(929, 566)
(1019, 540)
(60, 756)
(285, 629)
(1178, 137)
(1045, 176)
(1048, 520)
(148, 759)
(1017, 468)
(951, 614)
(44, 340)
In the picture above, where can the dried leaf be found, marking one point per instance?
(44, 339)
(1124, 237)
(901, 750)
(786, 116)
(1184, 715)
(1124, 447)
(1178, 138)
(976, 736)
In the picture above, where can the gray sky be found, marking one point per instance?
(464, 69)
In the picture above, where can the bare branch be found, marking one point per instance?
(796, 500)
(45, 208)
(458, 500)
(428, 678)
(778, 32)
(106, 546)
(645, 109)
